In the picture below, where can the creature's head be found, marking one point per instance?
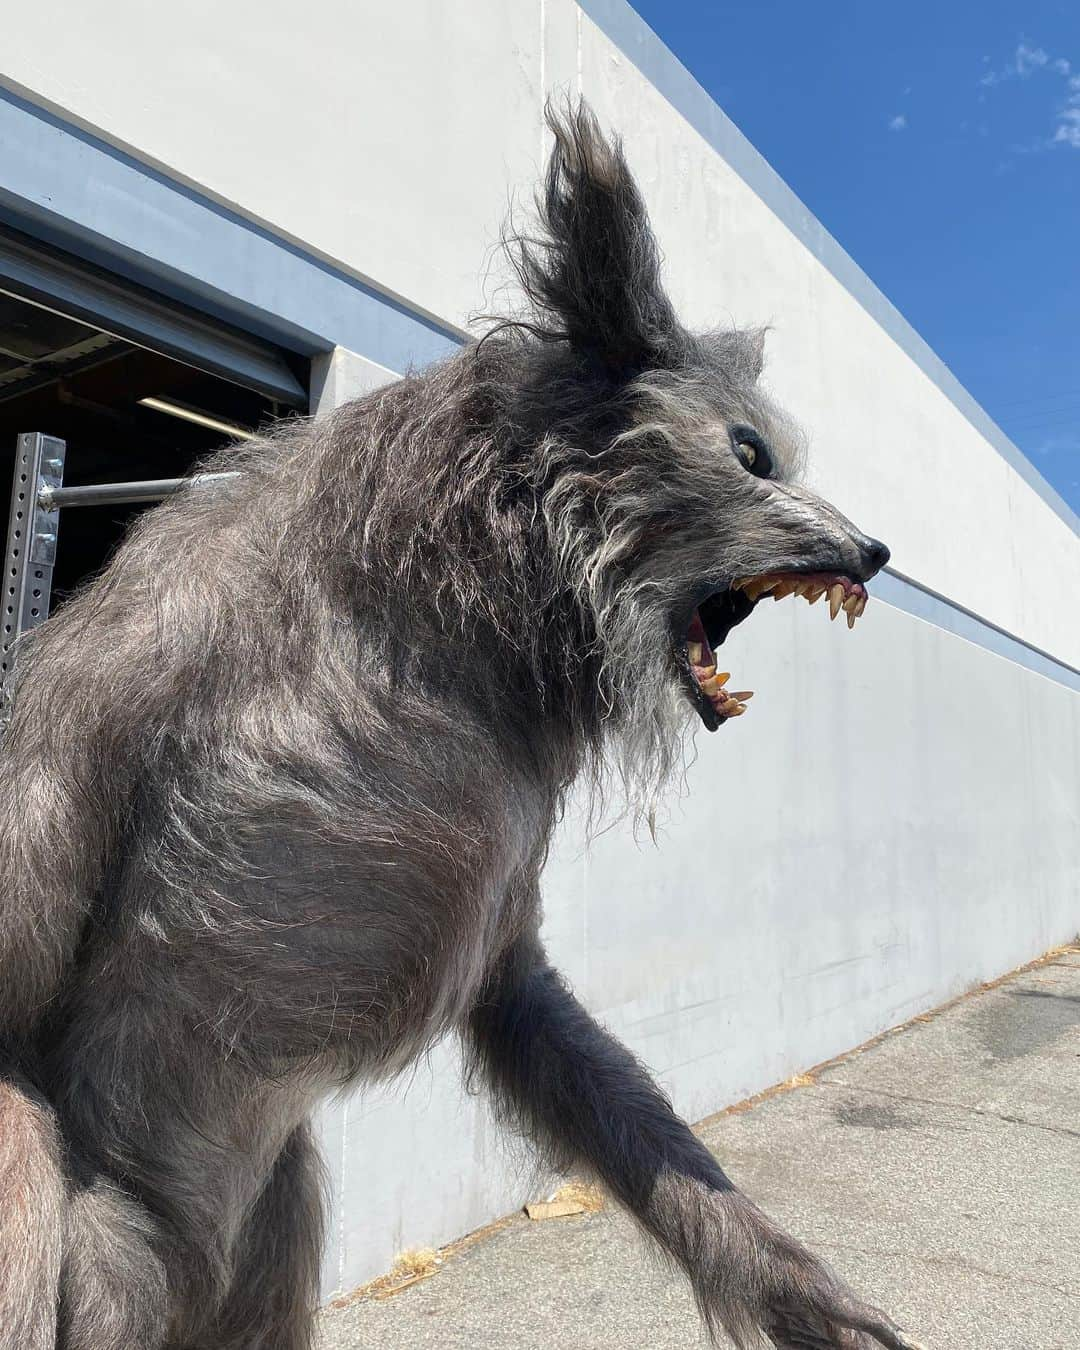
(664, 472)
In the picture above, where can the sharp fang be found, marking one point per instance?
(743, 695)
(851, 617)
(862, 605)
(723, 677)
(695, 651)
(836, 599)
(851, 604)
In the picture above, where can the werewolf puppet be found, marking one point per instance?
(279, 785)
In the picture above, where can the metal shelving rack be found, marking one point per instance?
(37, 496)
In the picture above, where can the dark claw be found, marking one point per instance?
(851, 1328)
(884, 1330)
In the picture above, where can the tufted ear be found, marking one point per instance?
(593, 275)
(755, 351)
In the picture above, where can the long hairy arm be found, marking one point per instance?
(586, 1101)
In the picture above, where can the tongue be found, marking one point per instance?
(696, 633)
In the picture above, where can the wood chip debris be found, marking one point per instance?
(576, 1197)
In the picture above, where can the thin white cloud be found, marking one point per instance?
(897, 123)
(1028, 59)
(1068, 120)
(1068, 128)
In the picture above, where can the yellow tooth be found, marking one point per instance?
(743, 695)
(851, 617)
(836, 599)
(695, 651)
(737, 711)
(862, 605)
(816, 594)
(710, 685)
(755, 588)
(851, 604)
(723, 677)
(729, 705)
(784, 589)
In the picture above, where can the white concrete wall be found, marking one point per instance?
(897, 816)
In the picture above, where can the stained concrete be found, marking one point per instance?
(938, 1170)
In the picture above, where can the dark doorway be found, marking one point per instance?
(124, 410)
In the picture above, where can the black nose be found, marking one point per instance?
(875, 555)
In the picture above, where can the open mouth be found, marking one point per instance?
(718, 612)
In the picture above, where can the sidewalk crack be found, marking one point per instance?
(1062, 1130)
(947, 1262)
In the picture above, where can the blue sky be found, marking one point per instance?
(940, 144)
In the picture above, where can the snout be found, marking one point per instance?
(873, 555)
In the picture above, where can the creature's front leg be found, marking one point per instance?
(587, 1102)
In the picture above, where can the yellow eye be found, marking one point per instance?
(752, 451)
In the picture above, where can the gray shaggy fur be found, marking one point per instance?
(279, 784)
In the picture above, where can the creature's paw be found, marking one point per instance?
(774, 1287)
(839, 1322)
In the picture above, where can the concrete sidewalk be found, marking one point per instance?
(938, 1171)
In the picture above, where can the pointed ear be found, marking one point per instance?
(593, 276)
(755, 351)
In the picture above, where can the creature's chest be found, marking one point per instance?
(462, 930)
(409, 898)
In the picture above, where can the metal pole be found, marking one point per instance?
(51, 497)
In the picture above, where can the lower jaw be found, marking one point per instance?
(706, 686)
